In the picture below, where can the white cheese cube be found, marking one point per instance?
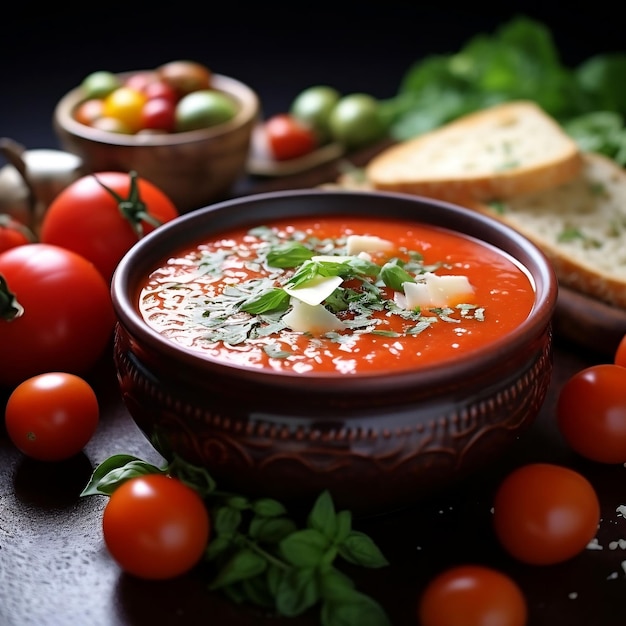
(437, 291)
(366, 243)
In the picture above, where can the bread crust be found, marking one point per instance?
(500, 152)
(591, 259)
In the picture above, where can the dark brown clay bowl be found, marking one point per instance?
(193, 168)
(378, 442)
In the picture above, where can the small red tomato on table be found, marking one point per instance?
(52, 416)
(288, 138)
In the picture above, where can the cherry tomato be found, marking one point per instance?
(155, 527)
(591, 413)
(472, 595)
(288, 138)
(13, 233)
(52, 416)
(140, 81)
(620, 353)
(313, 107)
(100, 84)
(86, 218)
(55, 312)
(125, 104)
(545, 514)
(185, 76)
(158, 114)
(160, 89)
(202, 109)
(88, 111)
(355, 120)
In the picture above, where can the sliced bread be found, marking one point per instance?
(499, 152)
(580, 225)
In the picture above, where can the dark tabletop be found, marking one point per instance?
(54, 568)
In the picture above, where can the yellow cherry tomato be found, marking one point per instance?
(125, 104)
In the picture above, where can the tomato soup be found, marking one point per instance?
(337, 295)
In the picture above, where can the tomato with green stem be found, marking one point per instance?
(101, 216)
(545, 513)
(56, 312)
(472, 595)
(156, 527)
(591, 412)
(52, 416)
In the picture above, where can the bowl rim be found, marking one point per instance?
(249, 109)
(451, 372)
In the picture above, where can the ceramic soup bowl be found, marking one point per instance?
(380, 415)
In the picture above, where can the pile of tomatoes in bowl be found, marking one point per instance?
(177, 96)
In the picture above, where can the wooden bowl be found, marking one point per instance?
(193, 168)
(378, 442)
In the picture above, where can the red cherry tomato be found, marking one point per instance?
(472, 595)
(52, 416)
(620, 353)
(86, 218)
(155, 527)
(13, 233)
(591, 413)
(160, 89)
(55, 312)
(159, 114)
(88, 111)
(288, 138)
(139, 81)
(545, 514)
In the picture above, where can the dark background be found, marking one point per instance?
(278, 48)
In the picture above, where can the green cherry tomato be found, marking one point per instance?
(355, 121)
(100, 84)
(313, 106)
(204, 108)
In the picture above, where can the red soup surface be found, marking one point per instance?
(230, 298)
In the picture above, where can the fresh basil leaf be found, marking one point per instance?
(226, 520)
(114, 471)
(297, 592)
(304, 548)
(394, 275)
(276, 299)
(353, 609)
(360, 549)
(268, 507)
(323, 517)
(288, 254)
(243, 564)
(271, 529)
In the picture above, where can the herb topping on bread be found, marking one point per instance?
(499, 152)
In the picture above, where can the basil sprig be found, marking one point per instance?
(260, 556)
